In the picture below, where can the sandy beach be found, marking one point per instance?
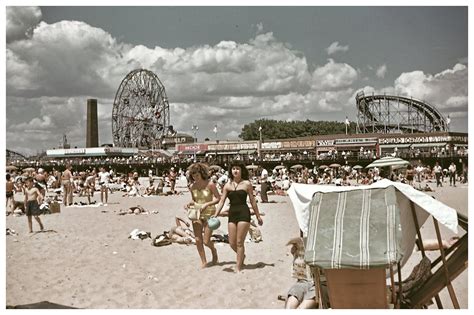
(86, 260)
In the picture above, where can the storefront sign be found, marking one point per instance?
(232, 146)
(271, 145)
(298, 144)
(325, 143)
(192, 147)
(355, 140)
(420, 139)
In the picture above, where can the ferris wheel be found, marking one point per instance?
(140, 115)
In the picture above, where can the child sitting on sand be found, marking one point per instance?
(33, 198)
(302, 294)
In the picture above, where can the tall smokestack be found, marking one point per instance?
(92, 135)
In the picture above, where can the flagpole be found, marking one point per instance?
(215, 133)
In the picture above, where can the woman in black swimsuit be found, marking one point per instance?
(237, 190)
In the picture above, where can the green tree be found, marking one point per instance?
(280, 129)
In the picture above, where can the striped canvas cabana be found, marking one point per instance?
(354, 229)
(304, 199)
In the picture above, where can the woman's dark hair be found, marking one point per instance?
(200, 168)
(243, 170)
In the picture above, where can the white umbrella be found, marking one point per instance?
(356, 167)
(387, 161)
(279, 167)
(296, 166)
(252, 167)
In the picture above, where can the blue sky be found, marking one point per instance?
(227, 65)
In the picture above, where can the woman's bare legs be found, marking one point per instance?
(209, 243)
(197, 227)
(242, 230)
(232, 229)
(237, 234)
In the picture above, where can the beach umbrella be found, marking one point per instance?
(215, 167)
(387, 161)
(252, 167)
(296, 166)
(11, 168)
(29, 169)
(323, 167)
(335, 165)
(279, 167)
(357, 167)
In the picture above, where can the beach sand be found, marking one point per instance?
(88, 261)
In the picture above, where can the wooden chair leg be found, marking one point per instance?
(452, 294)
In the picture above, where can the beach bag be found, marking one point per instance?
(255, 234)
(194, 213)
(161, 240)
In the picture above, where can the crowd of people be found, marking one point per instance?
(217, 193)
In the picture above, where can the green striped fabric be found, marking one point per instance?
(354, 229)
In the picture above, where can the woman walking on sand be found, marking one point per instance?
(237, 190)
(205, 196)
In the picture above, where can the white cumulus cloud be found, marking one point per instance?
(333, 76)
(20, 22)
(381, 71)
(335, 47)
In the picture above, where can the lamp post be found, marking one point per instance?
(260, 144)
(195, 128)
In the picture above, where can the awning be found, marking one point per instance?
(186, 152)
(358, 145)
(229, 152)
(400, 146)
(247, 151)
(166, 153)
(424, 145)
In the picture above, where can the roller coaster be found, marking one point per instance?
(390, 114)
(13, 156)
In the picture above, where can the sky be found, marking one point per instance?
(226, 66)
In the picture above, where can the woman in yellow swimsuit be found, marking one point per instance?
(205, 196)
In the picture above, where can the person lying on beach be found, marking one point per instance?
(133, 210)
(181, 234)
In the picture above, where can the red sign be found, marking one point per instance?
(192, 147)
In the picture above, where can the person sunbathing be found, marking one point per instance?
(181, 234)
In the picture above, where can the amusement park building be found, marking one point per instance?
(367, 145)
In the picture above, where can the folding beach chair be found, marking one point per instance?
(454, 261)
